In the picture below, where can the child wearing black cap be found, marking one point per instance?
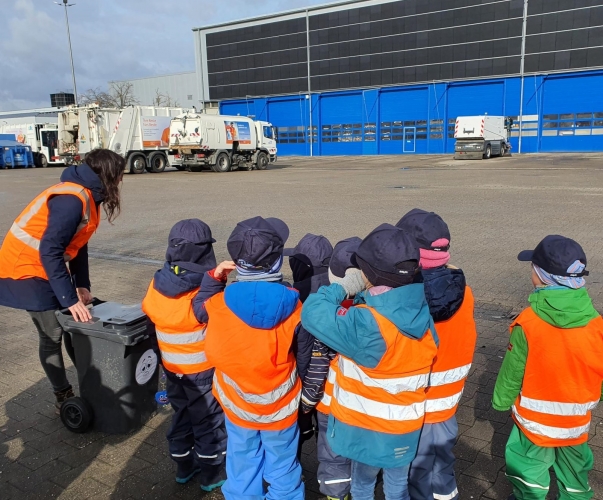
(386, 344)
(451, 305)
(250, 332)
(551, 375)
(197, 436)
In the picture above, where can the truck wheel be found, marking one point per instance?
(262, 161)
(222, 163)
(76, 415)
(137, 163)
(488, 153)
(157, 162)
(40, 161)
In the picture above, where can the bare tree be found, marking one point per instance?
(122, 94)
(164, 99)
(97, 96)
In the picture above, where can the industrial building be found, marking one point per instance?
(180, 88)
(390, 77)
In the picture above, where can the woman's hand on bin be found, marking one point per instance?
(84, 295)
(80, 312)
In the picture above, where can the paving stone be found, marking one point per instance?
(485, 467)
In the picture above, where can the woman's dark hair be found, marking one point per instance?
(110, 167)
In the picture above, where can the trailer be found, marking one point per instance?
(480, 137)
(40, 136)
(138, 133)
(221, 143)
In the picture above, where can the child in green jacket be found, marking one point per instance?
(551, 376)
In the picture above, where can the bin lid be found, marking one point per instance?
(111, 321)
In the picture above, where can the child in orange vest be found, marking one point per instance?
(250, 334)
(197, 436)
(551, 376)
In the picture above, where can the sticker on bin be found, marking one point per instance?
(146, 366)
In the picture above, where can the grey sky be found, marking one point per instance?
(112, 40)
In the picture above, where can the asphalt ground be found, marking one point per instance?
(494, 209)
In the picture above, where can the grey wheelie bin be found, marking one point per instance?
(116, 368)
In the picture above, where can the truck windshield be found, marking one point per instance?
(49, 139)
(268, 133)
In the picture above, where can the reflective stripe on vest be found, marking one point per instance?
(184, 359)
(280, 414)
(442, 404)
(556, 408)
(326, 396)
(550, 431)
(392, 385)
(181, 338)
(267, 398)
(449, 376)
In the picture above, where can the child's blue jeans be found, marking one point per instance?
(364, 478)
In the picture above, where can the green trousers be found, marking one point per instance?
(528, 469)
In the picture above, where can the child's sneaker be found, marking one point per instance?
(186, 471)
(61, 397)
(213, 476)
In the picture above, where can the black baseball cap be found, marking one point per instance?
(313, 250)
(389, 256)
(555, 254)
(344, 256)
(257, 243)
(425, 227)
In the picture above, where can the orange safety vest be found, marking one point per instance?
(256, 378)
(389, 398)
(562, 381)
(451, 366)
(324, 405)
(20, 252)
(181, 338)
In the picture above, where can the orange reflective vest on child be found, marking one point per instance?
(181, 338)
(451, 366)
(389, 398)
(256, 378)
(20, 252)
(324, 405)
(562, 381)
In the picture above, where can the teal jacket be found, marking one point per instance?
(558, 306)
(357, 336)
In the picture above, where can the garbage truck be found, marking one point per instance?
(42, 137)
(480, 137)
(221, 143)
(138, 133)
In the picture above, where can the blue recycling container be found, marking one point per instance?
(14, 154)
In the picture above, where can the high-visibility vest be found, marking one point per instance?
(20, 252)
(389, 398)
(256, 378)
(457, 336)
(180, 336)
(324, 405)
(562, 381)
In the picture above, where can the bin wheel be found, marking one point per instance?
(76, 415)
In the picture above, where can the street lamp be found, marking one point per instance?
(65, 4)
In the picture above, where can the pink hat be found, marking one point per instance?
(435, 258)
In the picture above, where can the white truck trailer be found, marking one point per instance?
(41, 136)
(221, 143)
(138, 133)
(480, 137)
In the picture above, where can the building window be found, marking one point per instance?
(189, 97)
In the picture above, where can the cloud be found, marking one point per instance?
(111, 39)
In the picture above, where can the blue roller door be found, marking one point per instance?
(341, 124)
(290, 117)
(572, 115)
(403, 121)
(235, 108)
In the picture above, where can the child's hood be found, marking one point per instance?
(405, 307)
(171, 285)
(563, 307)
(261, 304)
(444, 291)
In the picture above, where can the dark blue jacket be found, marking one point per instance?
(65, 214)
(444, 291)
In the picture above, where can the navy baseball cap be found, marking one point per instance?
(257, 243)
(389, 256)
(425, 227)
(555, 254)
(190, 246)
(344, 256)
(313, 250)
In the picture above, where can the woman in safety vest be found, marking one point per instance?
(552, 375)
(197, 437)
(44, 256)
(386, 344)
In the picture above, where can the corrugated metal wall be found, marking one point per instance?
(560, 113)
(181, 87)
